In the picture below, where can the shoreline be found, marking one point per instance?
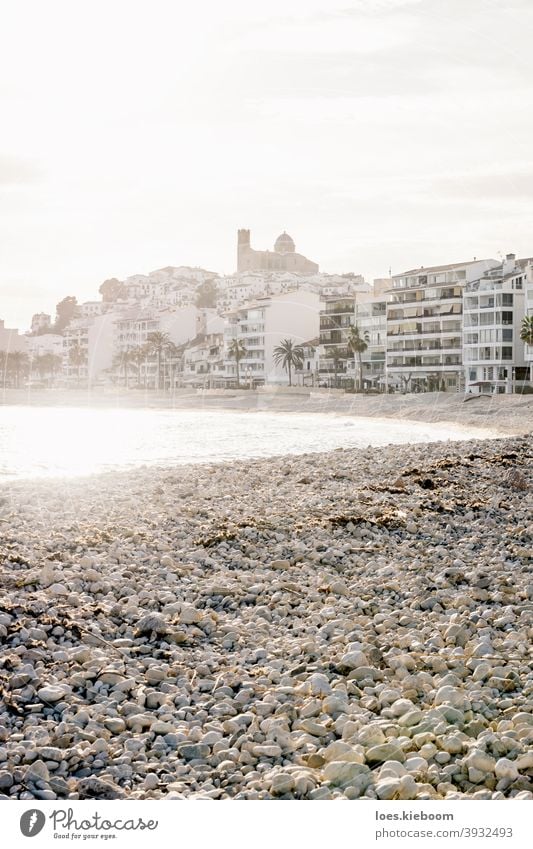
(351, 624)
(504, 414)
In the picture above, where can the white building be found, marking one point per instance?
(90, 309)
(309, 373)
(494, 306)
(263, 325)
(370, 317)
(529, 311)
(76, 351)
(203, 362)
(425, 326)
(40, 321)
(134, 326)
(45, 343)
(88, 348)
(11, 340)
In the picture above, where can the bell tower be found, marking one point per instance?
(243, 246)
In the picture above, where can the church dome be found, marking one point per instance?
(284, 244)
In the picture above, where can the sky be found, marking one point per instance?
(381, 134)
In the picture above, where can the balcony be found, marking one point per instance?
(338, 308)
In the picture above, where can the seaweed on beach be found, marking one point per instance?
(389, 518)
(230, 531)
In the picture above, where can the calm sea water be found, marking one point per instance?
(58, 441)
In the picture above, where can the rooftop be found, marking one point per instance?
(431, 269)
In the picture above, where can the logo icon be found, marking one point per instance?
(32, 822)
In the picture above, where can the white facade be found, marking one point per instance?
(528, 306)
(40, 321)
(46, 343)
(203, 362)
(11, 340)
(94, 337)
(90, 309)
(494, 306)
(76, 336)
(425, 326)
(263, 325)
(370, 317)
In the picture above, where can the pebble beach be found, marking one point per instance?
(348, 625)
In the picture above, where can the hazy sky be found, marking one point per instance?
(141, 134)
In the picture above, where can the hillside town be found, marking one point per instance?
(278, 320)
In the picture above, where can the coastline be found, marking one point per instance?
(505, 414)
(345, 625)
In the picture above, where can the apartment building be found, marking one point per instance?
(40, 322)
(264, 324)
(45, 343)
(370, 317)
(88, 345)
(425, 326)
(90, 309)
(528, 306)
(203, 362)
(494, 306)
(75, 354)
(309, 374)
(337, 315)
(11, 340)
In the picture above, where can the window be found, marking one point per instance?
(507, 317)
(507, 299)
(507, 335)
(507, 352)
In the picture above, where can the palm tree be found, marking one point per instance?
(237, 351)
(77, 357)
(526, 335)
(47, 365)
(289, 355)
(17, 364)
(156, 343)
(357, 346)
(122, 360)
(138, 357)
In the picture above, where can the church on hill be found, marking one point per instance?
(282, 258)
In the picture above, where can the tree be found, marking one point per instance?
(156, 343)
(47, 365)
(289, 355)
(526, 335)
(237, 351)
(111, 290)
(123, 360)
(77, 357)
(357, 346)
(137, 358)
(406, 380)
(15, 364)
(206, 295)
(65, 312)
